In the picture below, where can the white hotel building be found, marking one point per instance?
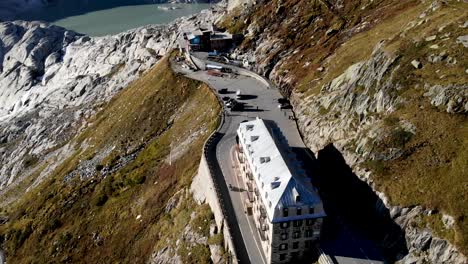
(287, 209)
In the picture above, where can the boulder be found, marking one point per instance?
(431, 38)
(463, 40)
(416, 64)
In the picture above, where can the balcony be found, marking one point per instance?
(257, 193)
(262, 234)
(250, 197)
(249, 187)
(263, 213)
(239, 149)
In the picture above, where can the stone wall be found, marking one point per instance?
(205, 190)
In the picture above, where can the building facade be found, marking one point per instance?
(210, 40)
(287, 210)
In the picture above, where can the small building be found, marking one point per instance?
(221, 42)
(195, 40)
(210, 40)
(286, 207)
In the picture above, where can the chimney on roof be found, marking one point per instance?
(275, 184)
(297, 197)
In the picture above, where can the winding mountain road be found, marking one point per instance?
(260, 101)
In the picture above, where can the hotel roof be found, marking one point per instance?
(278, 174)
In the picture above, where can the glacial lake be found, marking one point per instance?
(99, 18)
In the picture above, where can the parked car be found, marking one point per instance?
(284, 106)
(226, 98)
(237, 106)
(223, 91)
(283, 101)
(239, 94)
(230, 103)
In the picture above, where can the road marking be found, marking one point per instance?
(229, 194)
(247, 218)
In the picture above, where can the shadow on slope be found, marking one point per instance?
(357, 219)
(357, 225)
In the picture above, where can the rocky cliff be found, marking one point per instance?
(86, 126)
(52, 79)
(385, 83)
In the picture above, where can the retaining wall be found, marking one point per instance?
(205, 188)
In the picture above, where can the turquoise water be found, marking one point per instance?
(99, 21)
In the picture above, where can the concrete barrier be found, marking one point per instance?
(190, 61)
(198, 62)
(206, 189)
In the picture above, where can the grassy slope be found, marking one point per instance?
(94, 220)
(433, 170)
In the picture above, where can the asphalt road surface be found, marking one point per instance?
(261, 101)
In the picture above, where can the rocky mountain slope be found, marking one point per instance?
(385, 84)
(86, 128)
(380, 85)
(52, 79)
(118, 196)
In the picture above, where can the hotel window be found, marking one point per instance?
(283, 246)
(284, 225)
(285, 212)
(308, 244)
(284, 236)
(296, 234)
(294, 255)
(295, 245)
(308, 233)
(311, 210)
(297, 223)
(310, 222)
(299, 211)
(282, 257)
